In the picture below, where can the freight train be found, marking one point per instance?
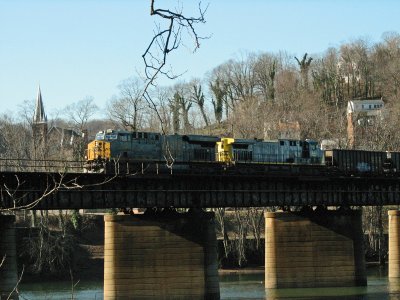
(131, 149)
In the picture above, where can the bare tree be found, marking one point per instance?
(304, 65)
(15, 139)
(127, 109)
(221, 221)
(197, 96)
(80, 112)
(78, 115)
(245, 126)
(356, 66)
(175, 105)
(286, 89)
(185, 105)
(255, 217)
(241, 238)
(219, 90)
(265, 70)
(386, 61)
(374, 231)
(328, 81)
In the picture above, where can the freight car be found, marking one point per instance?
(360, 161)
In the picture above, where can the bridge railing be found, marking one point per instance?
(28, 165)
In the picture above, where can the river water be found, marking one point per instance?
(235, 286)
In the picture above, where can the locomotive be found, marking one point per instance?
(132, 149)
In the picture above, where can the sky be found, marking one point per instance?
(76, 49)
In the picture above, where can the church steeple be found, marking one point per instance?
(39, 129)
(39, 116)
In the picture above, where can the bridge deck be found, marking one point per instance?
(208, 186)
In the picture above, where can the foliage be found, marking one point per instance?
(76, 220)
(50, 252)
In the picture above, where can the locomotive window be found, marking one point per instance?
(100, 136)
(157, 137)
(134, 135)
(145, 135)
(111, 137)
(292, 143)
(301, 144)
(240, 146)
(282, 143)
(123, 137)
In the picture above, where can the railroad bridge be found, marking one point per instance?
(175, 257)
(183, 189)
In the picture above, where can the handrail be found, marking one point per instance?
(40, 165)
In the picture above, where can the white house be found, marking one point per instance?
(372, 107)
(362, 113)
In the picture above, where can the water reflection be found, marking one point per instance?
(89, 290)
(235, 286)
(252, 287)
(319, 293)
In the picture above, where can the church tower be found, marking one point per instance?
(39, 128)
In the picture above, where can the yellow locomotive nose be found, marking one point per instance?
(225, 150)
(98, 150)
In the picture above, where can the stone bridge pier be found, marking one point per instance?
(8, 258)
(314, 249)
(163, 256)
(394, 246)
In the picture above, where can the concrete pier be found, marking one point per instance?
(160, 257)
(8, 258)
(394, 245)
(314, 249)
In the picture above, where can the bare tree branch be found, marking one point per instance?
(3, 259)
(15, 289)
(164, 42)
(52, 186)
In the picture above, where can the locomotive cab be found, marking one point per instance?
(100, 148)
(312, 152)
(388, 165)
(98, 152)
(225, 150)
